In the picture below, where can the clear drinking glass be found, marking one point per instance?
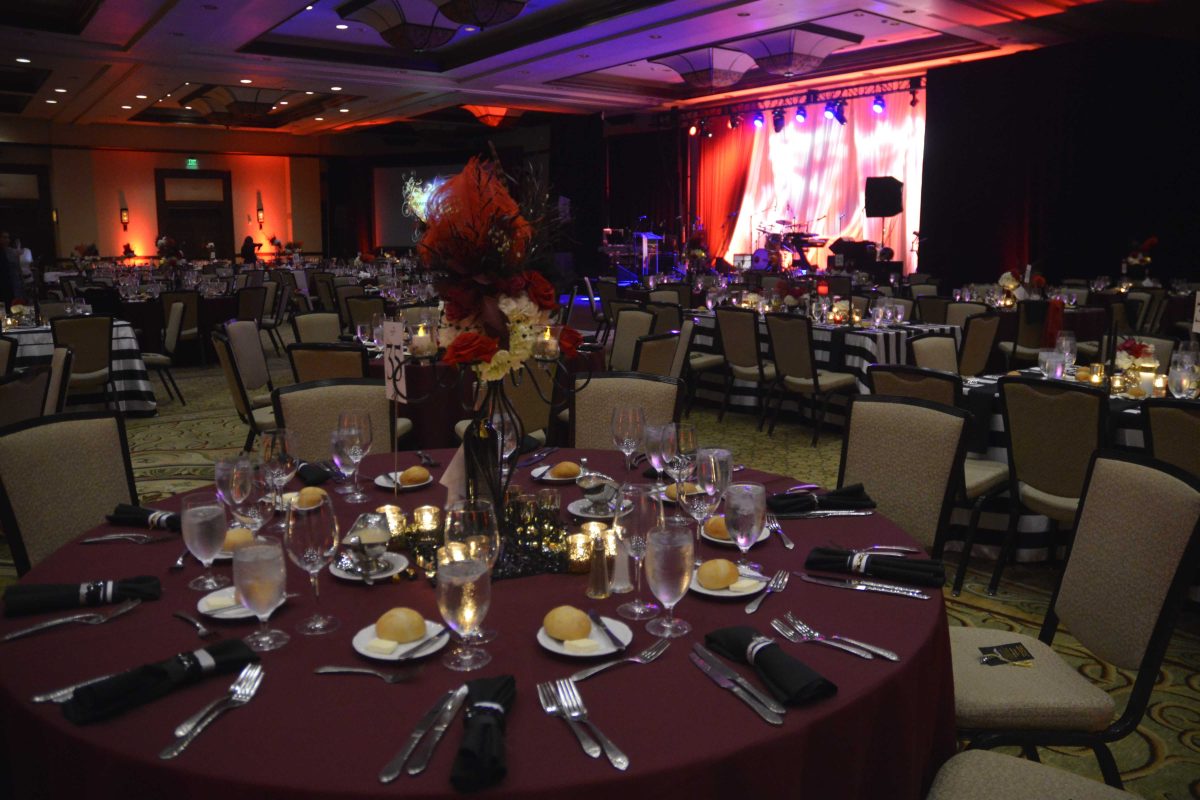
(312, 539)
(464, 592)
(745, 513)
(354, 434)
(279, 461)
(637, 511)
(1043, 358)
(1065, 344)
(706, 474)
(203, 522)
(472, 531)
(628, 430)
(670, 551)
(652, 442)
(362, 332)
(679, 451)
(1181, 379)
(247, 494)
(260, 576)
(898, 312)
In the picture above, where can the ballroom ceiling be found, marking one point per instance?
(332, 65)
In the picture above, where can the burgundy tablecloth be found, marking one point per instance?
(305, 735)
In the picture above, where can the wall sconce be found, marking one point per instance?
(54, 215)
(125, 218)
(260, 211)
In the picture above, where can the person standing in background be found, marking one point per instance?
(249, 251)
(10, 270)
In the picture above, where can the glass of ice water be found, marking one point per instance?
(670, 551)
(204, 534)
(261, 578)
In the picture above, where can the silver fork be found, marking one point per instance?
(243, 695)
(549, 700)
(89, 618)
(569, 697)
(807, 634)
(773, 524)
(248, 674)
(136, 538)
(778, 581)
(882, 652)
(645, 657)
(387, 677)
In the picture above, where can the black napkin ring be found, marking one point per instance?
(756, 644)
(484, 707)
(158, 516)
(857, 562)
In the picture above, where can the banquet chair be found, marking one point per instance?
(274, 315)
(190, 326)
(906, 304)
(605, 293)
(23, 395)
(599, 314)
(667, 317)
(630, 325)
(592, 402)
(322, 283)
(919, 290)
(1119, 596)
(90, 339)
(738, 329)
(254, 277)
(1053, 428)
(861, 303)
(342, 293)
(655, 354)
(60, 374)
(241, 281)
(839, 286)
(1144, 301)
(320, 361)
(977, 774)
(1024, 348)
(957, 312)
(251, 301)
(921, 279)
(310, 410)
(698, 363)
(563, 317)
(1163, 348)
(1172, 429)
(978, 337)
(50, 309)
(529, 394)
(792, 343)
(35, 519)
(362, 310)
(679, 362)
(916, 491)
(8, 354)
(103, 300)
(258, 418)
(917, 383)
(249, 361)
(162, 362)
(316, 326)
(345, 280)
(934, 351)
(931, 309)
(669, 296)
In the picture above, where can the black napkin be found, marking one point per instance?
(313, 474)
(792, 682)
(140, 685)
(35, 598)
(920, 572)
(847, 498)
(131, 516)
(480, 761)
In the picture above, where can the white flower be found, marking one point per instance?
(518, 309)
(843, 306)
(500, 365)
(1008, 281)
(520, 341)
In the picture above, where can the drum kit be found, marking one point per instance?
(785, 242)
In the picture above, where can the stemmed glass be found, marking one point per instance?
(279, 461)
(260, 576)
(1065, 344)
(203, 523)
(669, 555)
(464, 592)
(350, 444)
(312, 540)
(745, 513)
(679, 451)
(628, 430)
(242, 487)
(1181, 379)
(652, 443)
(701, 504)
(473, 526)
(637, 511)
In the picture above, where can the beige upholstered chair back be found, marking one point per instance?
(1174, 433)
(739, 337)
(681, 351)
(860, 304)
(1053, 429)
(248, 354)
(311, 411)
(1117, 579)
(979, 336)
(324, 361)
(272, 296)
(284, 303)
(593, 404)
(935, 352)
(667, 317)
(932, 309)
(323, 284)
(664, 296)
(8, 353)
(526, 397)
(957, 313)
(23, 395)
(51, 309)
(1143, 300)
(932, 386)
(922, 289)
(236, 391)
(615, 307)
(174, 326)
(1031, 320)
(791, 343)
(343, 293)
(915, 489)
(655, 355)
(361, 309)
(99, 475)
(631, 324)
(906, 304)
(90, 339)
(60, 376)
(242, 280)
(191, 310)
(606, 292)
(317, 326)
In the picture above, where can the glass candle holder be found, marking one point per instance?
(422, 339)
(579, 553)
(427, 518)
(1098, 369)
(545, 346)
(1160, 385)
(397, 520)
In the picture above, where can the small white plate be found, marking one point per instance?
(762, 536)
(228, 612)
(396, 563)
(696, 587)
(666, 498)
(582, 508)
(388, 481)
(542, 474)
(363, 637)
(619, 629)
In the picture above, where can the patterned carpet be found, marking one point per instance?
(175, 451)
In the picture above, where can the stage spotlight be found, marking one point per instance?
(704, 131)
(734, 122)
(801, 115)
(877, 105)
(777, 119)
(692, 131)
(830, 110)
(758, 119)
(839, 112)
(913, 101)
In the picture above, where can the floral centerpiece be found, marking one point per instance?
(1140, 365)
(1137, 263)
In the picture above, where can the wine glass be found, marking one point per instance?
(745, 513)
(354, 434)
(260, 575)
(464, 592)
(312, 539)
(637, 510)
(247, 494)
(706, 474)
(473, 530)
(362, 332)
(669, 554)
(682, 440)
(628, 430)
(279, 461)
(1065, 344)
(1181, 379)
(652, 443)
(203, 523)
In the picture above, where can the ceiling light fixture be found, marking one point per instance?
(52, 102)
(794, 51)
(344, 110)
(495, 116)
(692, 131)
(470, 28)
(777, 119)
(709, 68)
(187, 108)
(482, 13)
(758, 120)
(335, 88)
(319, 119)
(801, 115)
(839, 112)
(830, 109)
(308, 92)
(283, 102)
(127, 108)
(61, 91)
(23, 61)
(410, 26)
(734, 122)
(878, 105)
(138, 96)
(243, 80)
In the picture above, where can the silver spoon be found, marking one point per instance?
(201, 631)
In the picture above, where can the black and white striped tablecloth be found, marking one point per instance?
(132, 383)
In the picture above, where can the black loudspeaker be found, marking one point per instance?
(884, 197)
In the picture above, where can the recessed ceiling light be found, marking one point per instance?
(127, 108)
(168, 94)
(52, 102)
(344, 110)
(138, 96)
(274, 107)
(308, 92)
(283, 102)
(245, 80)
(187, 83)
(22, 60)
(470, 28)
(319, 119)
(61, 91)
(341, 26)
(308, 8)
(187, 108)
(335, 88)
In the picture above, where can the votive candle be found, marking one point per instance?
(579, 553)
(427, 518)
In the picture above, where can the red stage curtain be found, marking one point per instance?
(721, 182)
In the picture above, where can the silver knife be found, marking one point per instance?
(393, 768)
(883, 652)
(864, 586)
(420, 758)
(719, 667)
(424, 647)
(612, 637)
(766, 713)
(67, 692)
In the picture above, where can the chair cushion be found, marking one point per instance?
(564, 416)
(1050, 695)
(698, 362)
(981, 476)
(97, 378)
(988, 775)
(1087, 351)
(830, 382)
(189, 333)
(260, 400)
(156, 360)
(751, 373)
(1022, 350)
(403, 426)
(1056, 507)
(264, 418)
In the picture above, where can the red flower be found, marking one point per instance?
(512, 286)
(470, 348)
(461, 300)
(1134, 348)
(1039, 282)
(569, 341)
(541, 291)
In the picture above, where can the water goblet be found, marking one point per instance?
(628, 430)
(464, 592)
(1065, 344)
(311, 540)
(898, 312)
(745, 513)
(260, 575)
(670, 551)
(472, 529)
(706, 474)
(203, 524)
(354, 435)
(680, 438)
(1043, 360)
(957, 294)
(652, 441)
(637, 511)
(279, 461)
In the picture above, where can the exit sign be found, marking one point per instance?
(193, 163)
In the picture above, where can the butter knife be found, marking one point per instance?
(67, 692)
(424, 751)
(612, 637)
(394, 767)
(719, 667)
(767, 714)
(863, 586)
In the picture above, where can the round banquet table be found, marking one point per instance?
(884, 734)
